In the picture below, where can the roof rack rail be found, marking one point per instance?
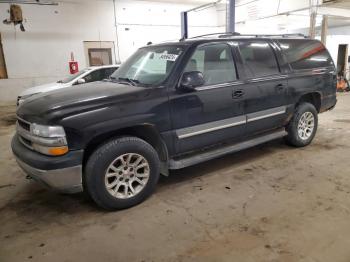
(277, 35)
(236, 34)
(218, 34)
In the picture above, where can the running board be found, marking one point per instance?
(218, 152)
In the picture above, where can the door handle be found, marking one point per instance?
(237, 93)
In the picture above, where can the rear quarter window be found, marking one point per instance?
(305, 54)
(259, 58)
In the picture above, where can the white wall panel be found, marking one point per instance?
(53, 32)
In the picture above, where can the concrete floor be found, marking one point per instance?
(269, 203)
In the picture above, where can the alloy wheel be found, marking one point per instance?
(127, 175)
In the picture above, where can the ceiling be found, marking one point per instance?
(264, 12)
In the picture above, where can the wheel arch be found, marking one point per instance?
(145, 132)
(313, 98)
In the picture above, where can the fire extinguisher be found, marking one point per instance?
(73, 65)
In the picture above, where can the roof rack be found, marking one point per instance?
(236, 34)
(220, 35)
(277, 35)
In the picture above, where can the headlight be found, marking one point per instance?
(48, 140)
(47, 131)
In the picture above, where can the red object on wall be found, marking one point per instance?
(73, 67)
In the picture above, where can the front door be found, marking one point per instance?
(266, 91)
(209, 115)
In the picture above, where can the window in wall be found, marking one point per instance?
(100, 56)
(305, 54)
(259, 58)
(215, 62)
(3, 71)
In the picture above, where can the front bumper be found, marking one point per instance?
(63, 173)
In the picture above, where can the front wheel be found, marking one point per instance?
(122, 173)
(303, 125)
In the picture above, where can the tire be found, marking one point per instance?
(296, 138)
(113, 158)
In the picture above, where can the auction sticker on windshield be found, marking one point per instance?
(168, 57)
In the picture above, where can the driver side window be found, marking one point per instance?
(215, 62)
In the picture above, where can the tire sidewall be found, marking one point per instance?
(293, 129)
(104, 156)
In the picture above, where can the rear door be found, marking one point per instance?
(266, 90)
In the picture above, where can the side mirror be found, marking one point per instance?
(81, 81)
(191, 80)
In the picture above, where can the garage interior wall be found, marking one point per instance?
(41, 54)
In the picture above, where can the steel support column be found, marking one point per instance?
(184, 25)
(324, 30)
(184, 17)
(313, 15)
(230, 23)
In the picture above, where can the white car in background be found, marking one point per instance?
(87, 75)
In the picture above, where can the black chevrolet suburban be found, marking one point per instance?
(173, 105)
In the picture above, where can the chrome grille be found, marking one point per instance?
(24, 124)
(23, 132)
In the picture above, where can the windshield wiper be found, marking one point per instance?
(133, 82)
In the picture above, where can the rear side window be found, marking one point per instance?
(215, 62)
(305, 54)
(259, 58)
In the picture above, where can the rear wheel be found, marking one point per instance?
(303, 125)
(122, 173)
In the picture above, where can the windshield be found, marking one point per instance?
(72, 77)
(149, 65)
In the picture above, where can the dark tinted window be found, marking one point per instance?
(259, 58)
(215, 62)
(305, 54)
(96, 75)
(107, 72)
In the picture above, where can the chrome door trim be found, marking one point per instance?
(202, 88)
(267, 78)
(211, 126)
(266, 113)
(229, 122)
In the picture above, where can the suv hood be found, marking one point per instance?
(42, 88)
(67, 101)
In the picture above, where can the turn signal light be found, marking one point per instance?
(57, 151)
